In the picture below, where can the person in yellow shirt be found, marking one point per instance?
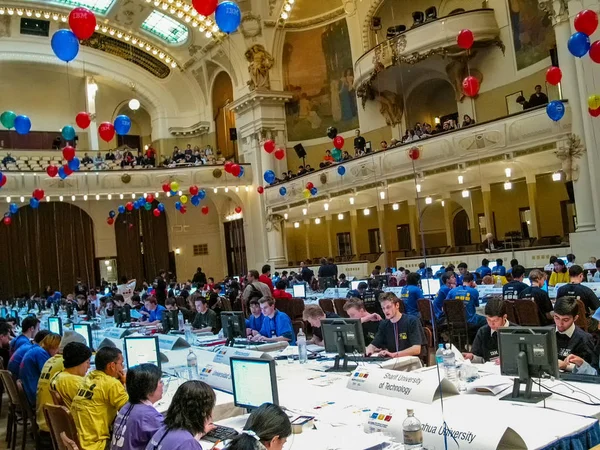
(560, 274)
(98, 399)
(76, 360)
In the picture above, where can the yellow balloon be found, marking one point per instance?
(306, 193)
(183, 199)
(594, 101)
(174, 186)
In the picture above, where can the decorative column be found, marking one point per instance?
(381, 225)
(448, 221)
(353, 228)
(533, 209)
(413, 222)
(328, 227)
(486, 193)
(275, 241)
(90, 104)
(306, 239)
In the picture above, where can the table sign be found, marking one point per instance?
(217, 376)
(171, 342)
(116, 333)
(223, 355)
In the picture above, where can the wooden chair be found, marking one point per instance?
(427, 350)
(27, 415)
(581, 321)
(511, 313)
(458, 328)
(326, 305)
(56, 398)
(69, 444)
(14, 407)
(527, 313)
(425, 309)
(61, 422)
(1, 385)
(339, 307)
(402, 307)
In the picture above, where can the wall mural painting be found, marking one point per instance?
(317, 66)
(532, 32)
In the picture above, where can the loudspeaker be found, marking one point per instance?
(300, 150)
(376, 23)
(554, 56)
(233, 134)
(570, 191)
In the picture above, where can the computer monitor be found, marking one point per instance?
(91, 311)
(299, 291)
(354, 284)
(85, 330)
(492, 265)
(436, 267)
(55, 325)
(342, 336)
(430, 286)
(382, 281)
(70, 310)
(122, 315)
(234, 325)
(527, 353)
(170, 321)
(254, 382)
(564, 258)
(140, 350)
(4, 312)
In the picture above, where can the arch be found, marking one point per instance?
(461, 228)
(52, 245)
(224, 119)
(366, 28)
(141, 125)
(431, 98)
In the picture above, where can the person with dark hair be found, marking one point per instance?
(280, 291)
(276, 326)
(306, 272)
(199, 277)
(484, 269)
(411, 293)
(33, 362)
(570, 260)
(468, 294)
(29, 328)
(513, 263)
(161, 287)
(538, 98)
(560, 274)
(265, 276)
(463, 269)
(570, 339)
(326, 270)
(499, 270)
(76, 360)
(206, 318)
(343, 282)
(355, 308)
(359, 291)
(188, 418)
(171, 305)
(14, 364)
(255, 320)
(152, 311)
(448, 282)
(138, 420)
(539, 296)
(100, 395)
(512, 290)
(267, 427)
(550, 266)
(370, 297)
(422, 270)
(5, 337)
(255, 289)
(575, 289)
(485, 345)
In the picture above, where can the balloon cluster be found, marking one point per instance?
(36, 197)
(227, 14)
(338, 143)
(12, 210)
(65, 43)
(234, 169)
(67, 169)
(470, 84)
(121, 126)
(197, 195)
(269, 146)
(586, 22)
(145, 203)
(310, 190)
(21, 123)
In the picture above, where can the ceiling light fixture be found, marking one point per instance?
(508, 172)
(461, 179)
(340, 216)
(507, 186)
(395, 206)
(366, 211)
(428, 200)
(465, 193)
(296, 224)
(304, 211)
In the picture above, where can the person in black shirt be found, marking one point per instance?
(485, 345)
(399, 334)
(313, 314)
(355, 308)
(344, 283)
(538, 98)
(82, 304)
(326, 270)
(539, 296)
(333, 265)
(512, 290)
(171, 305)
(306, 272)
(371, 297)
(577, 290)
(199, 277)
(359, 292)
(80, 288)
(571, 339)
(359, 144)
(161, 287)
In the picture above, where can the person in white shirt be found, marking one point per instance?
(590, 265)
(550, 266)
(570, 260)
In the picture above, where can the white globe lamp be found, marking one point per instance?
(134, 104)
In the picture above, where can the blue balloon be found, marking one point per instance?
(136, 205)
(65, 45)
(61, 173)
(202, 194)
(177, 206)
(141, 201)
(13, 208)
(555, 110)
(22, 124)
(111, 213)
(74, 164)
(161, 207)
(579, 44)
(282, 191)
(34, 203)
(174, 193)
(122, 124)
(68, 133)
(121, 209)
(57, 295)
(228, 17)
(313, 191)
(241, 172)
(195, 200)
(341, 170)
(269, 175)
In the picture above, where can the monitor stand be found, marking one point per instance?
(524, 378)
(230, 338)
(341, 356)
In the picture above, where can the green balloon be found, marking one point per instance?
(147, 206)
(8, 119)
(337, 154)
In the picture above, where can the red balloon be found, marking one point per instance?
(205, 210)
(238, 209)
(194, 190)
(595, 52)
(67, 169)
(414, 153)
(465, 39)
(7, 220)
(166, 187)
(149, 198)
(129, 206)
(3, 180)
(586, 21)
(269, 145)
(183, 209)
(260, 189)
(83, 120)
(594, 112)
(205, 7)
(82, 22)
(52, 171)
(156, 212)
(553, 75)
(38, 194)
(235, 170)
(338, 142)
(280, 154)
(106, 130)
(110, 221)
(68, 153)
(227, 166)
(309, 185)
(470, 86)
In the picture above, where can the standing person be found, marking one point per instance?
(538, 98)
(76, 359)
(254, 289)
(411, 293)
(268, 427)
(138, 420)
(161, 287)
(359, 143)
(199, 277)
(265, 277)
(101, 394)
(188, 418)
(29, 328)
(33, 363)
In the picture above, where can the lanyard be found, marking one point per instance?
(396, 335)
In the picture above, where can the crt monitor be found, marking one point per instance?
(247, 392)
(55, 325)
(343, 336)
(141, 350)
(234, 325)
(430, 286)
(299, 291)
(85, 330)
(527, 353)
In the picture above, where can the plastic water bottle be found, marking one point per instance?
(189, 336)
(192, 365)
(180, 321)
(301, 342)
(439, 356)
(450, 364)
(590, 277)
(411, 431)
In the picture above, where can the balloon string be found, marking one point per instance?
(69, 88)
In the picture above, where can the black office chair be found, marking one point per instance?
(430, 14)
(395, 31)
(418, 18)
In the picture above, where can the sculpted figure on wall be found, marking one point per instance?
(391, 106)
(260, 63)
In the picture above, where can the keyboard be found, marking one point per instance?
(220, 433)
(372, 359)
(577, 377)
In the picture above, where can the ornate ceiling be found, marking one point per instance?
(308, 9)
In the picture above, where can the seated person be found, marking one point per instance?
(512, 290)
(560, 273)
(171, 305)
(487, 280)
(138, 420)
(399, 334)
(575, 289)
(101, 394)
(462, 270)
(343, 282)
(484, 269)
(470, 297)
(206, 318)
(499, 270)
(276, 326)
(448, 282)
(255, 321)
(355, 308)
(267, 427)
(582, 366)
(359, 291)
(570, 339)
(29, 328)
(313, 314)
(411, 293)
(513, 263)
(279, 291)
(14, 364)
(485, 345)
(152, 312)
(539, 296)
(33, 363)
(422, 270)
(76, 360)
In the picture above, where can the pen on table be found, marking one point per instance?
(215, 445)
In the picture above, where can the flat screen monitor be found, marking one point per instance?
(254, 382)
(85, 330)
(234, 325)
(55, 325)
(436, 267)
(141, 350)
(492, 265)
(565, 260)
(430, 286)
(299, 291)
(343, 336)
(527, 281)
(354, 284)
